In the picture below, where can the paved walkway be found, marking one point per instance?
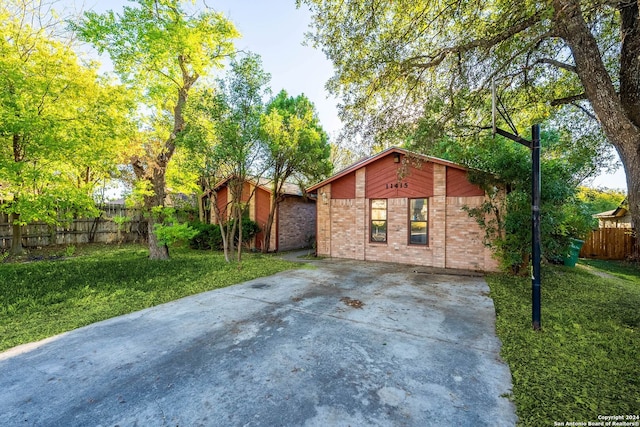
(345, 344)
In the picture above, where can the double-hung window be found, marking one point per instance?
(378, 223)
(418, 230)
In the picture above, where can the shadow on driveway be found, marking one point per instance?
(345, 344)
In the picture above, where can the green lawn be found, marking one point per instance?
(42, 298)
(586, 360)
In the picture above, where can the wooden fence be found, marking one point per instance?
(610, 243)
(102, 229)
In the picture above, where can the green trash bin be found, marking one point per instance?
(574, 250)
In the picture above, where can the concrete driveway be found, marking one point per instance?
(346, 344)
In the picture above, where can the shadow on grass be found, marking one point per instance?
(584, 361)
(39, 299)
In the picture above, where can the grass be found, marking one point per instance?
(585, 362)
(622, 269)
(53, 294)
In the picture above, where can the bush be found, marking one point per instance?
(173, 233)
(209, 236)
(249, 230)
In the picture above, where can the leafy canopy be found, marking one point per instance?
(295, 141)
(62, 128)
(397, 62)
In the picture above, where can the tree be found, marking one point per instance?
(398, 61)
(161, 51)
(296, 146)
(600, 200)
(503, 170)
(225, 136)
(62, 128)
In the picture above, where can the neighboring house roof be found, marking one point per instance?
(367, 160)
(288, 188)
(618, 212)
(115, 202)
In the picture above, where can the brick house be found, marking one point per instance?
(399, 206)
(294, 225)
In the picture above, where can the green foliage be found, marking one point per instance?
(169, 230)
(209, 236)
(249, 230)
(171, 234)
(224, 137)
(41, 299)
(600, 200)
(145, 42)
(160, 50)
(62, 128)
(503, 169)
(399, 61)
(69, 251)
(296, 145)
(295, 141)
(584, 361)
(121, 221)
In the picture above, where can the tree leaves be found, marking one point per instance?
(62, 128)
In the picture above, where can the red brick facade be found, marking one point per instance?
(294, 225)
(454, 240)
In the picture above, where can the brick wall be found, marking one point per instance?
(455, 240)
(343, 242)
(323, 225)
(464, 237)
(297, 223)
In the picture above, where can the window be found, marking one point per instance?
(378, 220)
(418, 209)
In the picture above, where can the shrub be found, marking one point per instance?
(249, 230)
(173, 233)
(208, 236)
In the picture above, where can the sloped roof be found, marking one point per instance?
(288, 188)
(618, 212)
(367, 160)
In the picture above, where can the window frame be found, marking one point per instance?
(411, 221)
(386, 221)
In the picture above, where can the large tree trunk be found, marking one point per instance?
(156, 170)
(619, 115)
(156, 249)
(630, 156)
(16, 238)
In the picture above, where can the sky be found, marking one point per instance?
(275, 30)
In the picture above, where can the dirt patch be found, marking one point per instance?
(352, 302)
(597, 272)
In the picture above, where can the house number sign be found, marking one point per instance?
(397, 185)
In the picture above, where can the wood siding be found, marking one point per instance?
(458, 184)
(263, 205)
(387, 179)
(222, 204)
(345, 187)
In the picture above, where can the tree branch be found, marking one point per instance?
(568, 99)
(557, 64)
(435, 60)
(584, 110)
